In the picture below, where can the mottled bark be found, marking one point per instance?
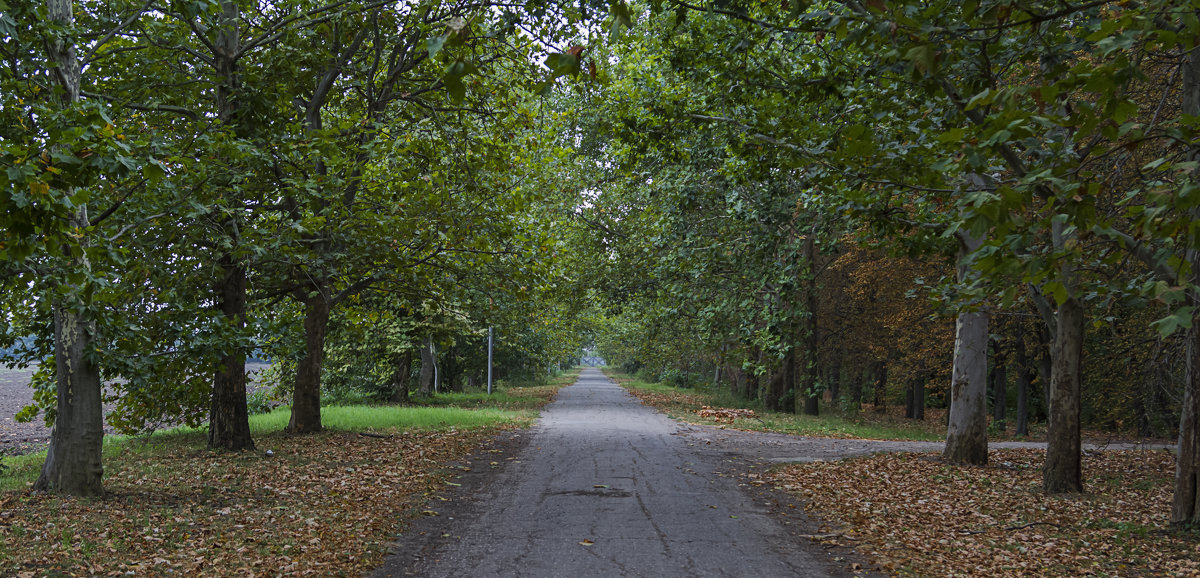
(73, 461)
(966, 431)
(966, 436)
(306, 400)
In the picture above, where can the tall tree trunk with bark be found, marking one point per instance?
(966, 435)
(833, 374)
(401, 372)
(881, 380)
(73, 464)
(1024, 379)
(919, 395)
(427, 363)
(306, 400)
(999, 388)
(807, 397)
(1063, 472)
(1185, 505)
(229, 420)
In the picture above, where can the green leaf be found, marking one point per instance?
(923, 57)
(434, 44)
(153, 171)
(622, 18)
(1057, 290)
(1171, 323)
(797, 8)
(562, 64)
(453, 76)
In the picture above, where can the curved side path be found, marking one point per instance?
(608, 487)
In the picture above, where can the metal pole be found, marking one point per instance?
(489, 361)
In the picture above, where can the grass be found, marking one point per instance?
(325, 504)
(682, 404)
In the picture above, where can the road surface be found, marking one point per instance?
(607, 487)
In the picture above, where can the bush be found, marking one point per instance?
(259, 402)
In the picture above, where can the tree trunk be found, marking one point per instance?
(1185, 505)
(966, 432)
(437, 374)
(229, 421)
(999, 390)
(73, 462)
(452, 381)
(856, 388)
(919, 395)
(807, 397)
(1024, 378)
(881, 379)
(306, 400)
(228, 418)
(833, 374)
(966, 438)
(1063, 472)
(914, 397)
(401, 371)
(427, 362)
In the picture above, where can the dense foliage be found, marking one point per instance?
(841, 202)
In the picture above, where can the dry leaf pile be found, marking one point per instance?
(725, 414)
(913, 514)
(325, 505)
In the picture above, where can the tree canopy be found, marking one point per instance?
(798, 201)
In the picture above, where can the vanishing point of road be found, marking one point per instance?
(605, 487)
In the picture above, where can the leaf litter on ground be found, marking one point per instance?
(912, 514)
(327, 504)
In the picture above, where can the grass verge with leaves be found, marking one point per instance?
(326, 504)
(914, 515)
(683, 404)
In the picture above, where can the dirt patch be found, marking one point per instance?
(15, 393)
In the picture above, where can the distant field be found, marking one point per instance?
(15, 394)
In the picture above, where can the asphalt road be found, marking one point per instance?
(607, 487)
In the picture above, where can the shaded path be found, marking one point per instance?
(607, 487)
